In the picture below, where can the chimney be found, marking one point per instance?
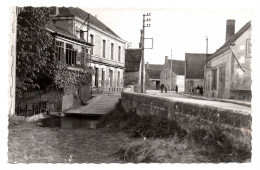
(166, 58)
(147, 65)
(54, 10)
(230, 28)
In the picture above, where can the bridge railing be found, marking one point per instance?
(30, 109)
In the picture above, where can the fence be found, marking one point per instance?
(29, 109)
(101, 90)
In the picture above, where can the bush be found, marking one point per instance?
(157, 151)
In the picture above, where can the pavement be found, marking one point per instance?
(99, 105)
(225, 104)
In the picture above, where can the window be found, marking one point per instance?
(112, 51)
(118, 79)
(104, 48)
(59, 50)
(119, 53)
(92, 42)
(214, 80)
(71, 55)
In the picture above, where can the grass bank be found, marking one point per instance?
(161, 140)
(29, 143)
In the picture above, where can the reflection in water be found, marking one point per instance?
(69, 122)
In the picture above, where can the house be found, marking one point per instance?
(227, 72)
(172, 74)
(152, 76)
(81, 39)
(132, 77)
(194, 71)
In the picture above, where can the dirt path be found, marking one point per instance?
(31, 144)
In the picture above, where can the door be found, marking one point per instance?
(221, 89)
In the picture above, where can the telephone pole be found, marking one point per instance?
(142, 59)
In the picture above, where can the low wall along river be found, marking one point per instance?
(234, 123)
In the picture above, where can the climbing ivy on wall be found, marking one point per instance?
(70, 81)
(35, 49)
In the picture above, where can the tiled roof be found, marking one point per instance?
(154, 66)
(132, 59)
(64, 33)
(71, 12)
(194, 65)
(177, 66)
(154, 73)
(231, 39)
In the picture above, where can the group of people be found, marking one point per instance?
(199, 90)
(164, 87)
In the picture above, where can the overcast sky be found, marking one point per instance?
(180, 29)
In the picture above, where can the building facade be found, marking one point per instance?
(172, 74)
(132, 77)
(152, 76)
(194, 71)
(227, 72)
(108, 51)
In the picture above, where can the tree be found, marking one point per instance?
(35, 49)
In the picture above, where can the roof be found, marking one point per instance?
(154, 66)
(72, 12)
(177, 66)
(65, 33)
(194, 65)
(132, 59)
(154, 73)
(232, 39)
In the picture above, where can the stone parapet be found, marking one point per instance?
(234, 123)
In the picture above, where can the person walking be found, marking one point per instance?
(162, 87)
(165, 88)
(176, 88)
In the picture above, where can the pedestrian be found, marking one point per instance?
(176, 88)
(162, 87)
(201, 90)
(198, 89)
(165, 88)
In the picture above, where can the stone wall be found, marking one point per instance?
(235, 124)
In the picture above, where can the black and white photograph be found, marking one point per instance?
(131, 84)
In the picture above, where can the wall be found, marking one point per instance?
(189, 87)
(180, 83)
(235, 124)
(223, 59)
(165, 78)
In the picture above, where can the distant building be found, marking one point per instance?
(194, 71)
(228, 71)
(132, 77)
(174, 76)
(152, 76)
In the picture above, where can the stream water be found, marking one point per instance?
(71, 122)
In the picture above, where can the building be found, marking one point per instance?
(227, 72)
(152, 76)
(194, 71)
(132, 77)
(174, 76)
(83, 40)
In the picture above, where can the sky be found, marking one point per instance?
(182, 30)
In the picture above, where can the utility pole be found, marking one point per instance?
(170, 73)
(206, 51)
(142, 60)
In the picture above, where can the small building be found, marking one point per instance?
(194, 71)
(152, 76)
(132, 76)
(227, 72)
(175, 76)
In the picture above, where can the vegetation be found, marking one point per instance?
(35, 49)
(37, 65)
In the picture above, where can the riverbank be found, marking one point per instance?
(29, 143)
